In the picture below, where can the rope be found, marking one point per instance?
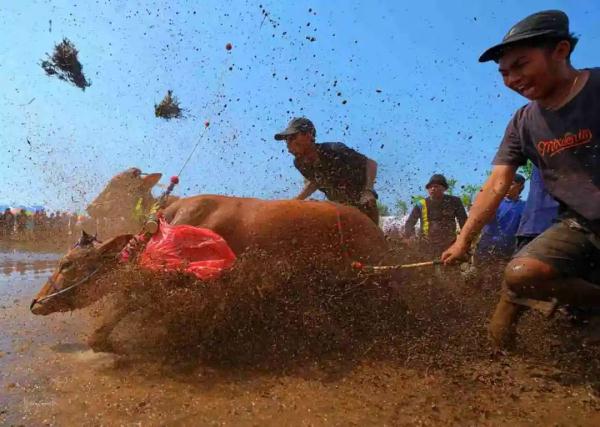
(192, 152)
(209, 120)
(161, 202)
(151, 223)
(62, 291)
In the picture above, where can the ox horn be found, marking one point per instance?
(85, 240)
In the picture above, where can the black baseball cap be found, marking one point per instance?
(297, 124)
(548, 23)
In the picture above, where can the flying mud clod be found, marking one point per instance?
(169, 107)
(65, 65)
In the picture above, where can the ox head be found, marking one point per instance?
(121, 195)
(73, 284)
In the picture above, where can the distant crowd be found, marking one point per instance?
(38, 225)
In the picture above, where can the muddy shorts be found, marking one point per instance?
(568, 247)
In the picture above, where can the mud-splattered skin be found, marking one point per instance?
(296, 232)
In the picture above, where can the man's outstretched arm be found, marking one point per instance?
(309, 188)
(482, 211)
(371, 174)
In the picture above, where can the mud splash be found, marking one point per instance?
(277, 317)
(254, 315)
(410, 353)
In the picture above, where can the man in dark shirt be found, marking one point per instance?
(438, 215)
(344, 175)
(559, 131)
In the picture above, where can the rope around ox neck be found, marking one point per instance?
(62, 291)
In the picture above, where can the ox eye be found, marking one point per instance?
(66, 265)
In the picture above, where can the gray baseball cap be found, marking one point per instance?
(548, 23)
(297, 124)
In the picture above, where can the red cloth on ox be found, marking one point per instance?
(194, 250)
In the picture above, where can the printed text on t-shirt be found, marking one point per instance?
(569, 140)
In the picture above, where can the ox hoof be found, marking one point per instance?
(101, 345)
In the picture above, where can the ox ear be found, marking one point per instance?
(150, 180)
(86, 240)
(114, 246)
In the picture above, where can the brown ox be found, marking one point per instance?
(291, 230)
(117, 209)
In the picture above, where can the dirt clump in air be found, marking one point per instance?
(169, 107)
(65, 65)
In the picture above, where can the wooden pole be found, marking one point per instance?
(376, 268)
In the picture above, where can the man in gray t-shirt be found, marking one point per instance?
(559, 131)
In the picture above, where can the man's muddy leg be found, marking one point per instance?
(529, 278)
(521, 274)
(503, 324)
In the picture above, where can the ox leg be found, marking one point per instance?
(100, 341)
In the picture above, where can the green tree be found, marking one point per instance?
(383, 209)
(451, 186)
(526, 170)
(414, 200)
(468, 194)
(401, 208)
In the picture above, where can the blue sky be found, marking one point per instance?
(416, 99)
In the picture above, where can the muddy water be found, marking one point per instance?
(437, 373)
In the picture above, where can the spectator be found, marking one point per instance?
(541, 210)
(9, 223)
(2, 224)
(438, 215)
(498, 238)
(21, 222)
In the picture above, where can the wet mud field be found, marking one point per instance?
(419, 356)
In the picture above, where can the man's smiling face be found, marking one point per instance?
(528, 71)
(535, 72)
(299, 143)
(525, 70)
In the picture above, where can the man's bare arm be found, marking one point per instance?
(483, 209)
(371, 174)
(309, 188)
